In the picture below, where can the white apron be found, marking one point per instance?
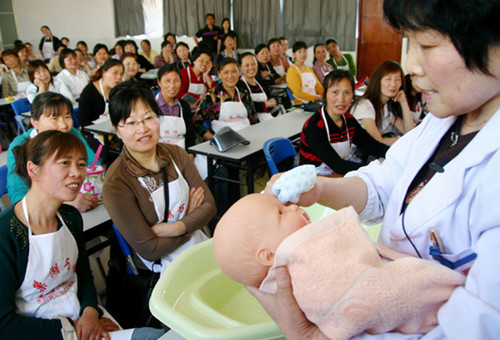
(232, 114)
(22, 86)
(345, 67)
(345, 149)
(48, 49)
(197, 89)
(308, 84)
(178, 205)
(259, 97)
(50, 284)
(280, 69)
(173, 129)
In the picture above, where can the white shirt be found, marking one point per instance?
(75, 83)
(461, 204)
(364, 109)
(58, 87)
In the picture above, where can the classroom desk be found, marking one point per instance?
(247, 156)
(96, 222)
(4, 101)
(104, 128)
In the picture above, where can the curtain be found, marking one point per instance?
(256, 21)
(129, 17)
(315, 21)
(186, 17)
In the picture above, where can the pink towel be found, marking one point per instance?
(346, 284)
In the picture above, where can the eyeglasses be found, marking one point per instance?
(148, 121)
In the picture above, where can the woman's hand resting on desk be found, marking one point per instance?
(285, 311)
(84, 202)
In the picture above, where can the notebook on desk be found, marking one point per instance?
(226, 138)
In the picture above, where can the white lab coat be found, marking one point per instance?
(461, 203)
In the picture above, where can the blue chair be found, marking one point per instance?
(290, 96)
(76, 122)
(127, 252)
(19, 107)
(280, 150)
(3, 184)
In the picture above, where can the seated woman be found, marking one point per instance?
(166, 56)
(31, 52)
(23, 54)
(261, 97)
(101, 54)
(16, 80)
(225, 105)
(266, 75)
(42, 81)
(74, 78)
(278, 60)
(82, 46)
(301, 79)
(383, 110)
(176, 119)
(54, 64)
(118, 48)
(95, 96)
(49, 111)
(182, 55)
(157, 221)
(338, 60)
(47, 287)
(147, 52)
(328, 136)
(130, 66)
(144, 65)
(225, 31)
(320, 66)
(83, 65)
(196, 78)
(229, 48)
(418, 106)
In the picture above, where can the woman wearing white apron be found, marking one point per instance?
(176, 119)
(259, 95)
(301, 79)
(46, 281)
(331, 136)
(196, 79)
(16, 80)
(225, 105)
(338, 60)
(320, 66)
(278, 60)
(266, 74)
(135, 194)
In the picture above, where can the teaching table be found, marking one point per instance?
(247, 157)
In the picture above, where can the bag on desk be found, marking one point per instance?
(226, 138)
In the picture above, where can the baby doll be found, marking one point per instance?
(343, 282)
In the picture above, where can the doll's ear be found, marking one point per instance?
(265, 257)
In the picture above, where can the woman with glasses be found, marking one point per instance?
(157, 221)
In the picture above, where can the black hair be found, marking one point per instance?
(260, 47)
(165, 43)
(128, 55)
(44, 145)
(32, 67)
(130, 42)
(334, 77)
(49, 103)
(18, 42)
(45, 26)
(272, 41)
(65, 38)
(198, 52)
(63, 54)
(314, 50)
(209, 15)
(298, 45)
(10, 51)
(226, 61)
(244, 55)
(99, 46)
(472, 25)
(109, 63)
(169, 34)
(82, 43)
(331, 40)
(180, 43)
(147, 42)
(167, 68)
(229, 34)
(124, 97)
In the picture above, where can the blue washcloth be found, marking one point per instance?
(293, 183)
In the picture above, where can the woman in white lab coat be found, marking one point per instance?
(437, 189)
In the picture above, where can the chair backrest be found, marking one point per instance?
(19, 107)
(289, 93)
(127, 252)
(3, 183)
(277, 150)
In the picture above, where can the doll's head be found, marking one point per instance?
(248, 235)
